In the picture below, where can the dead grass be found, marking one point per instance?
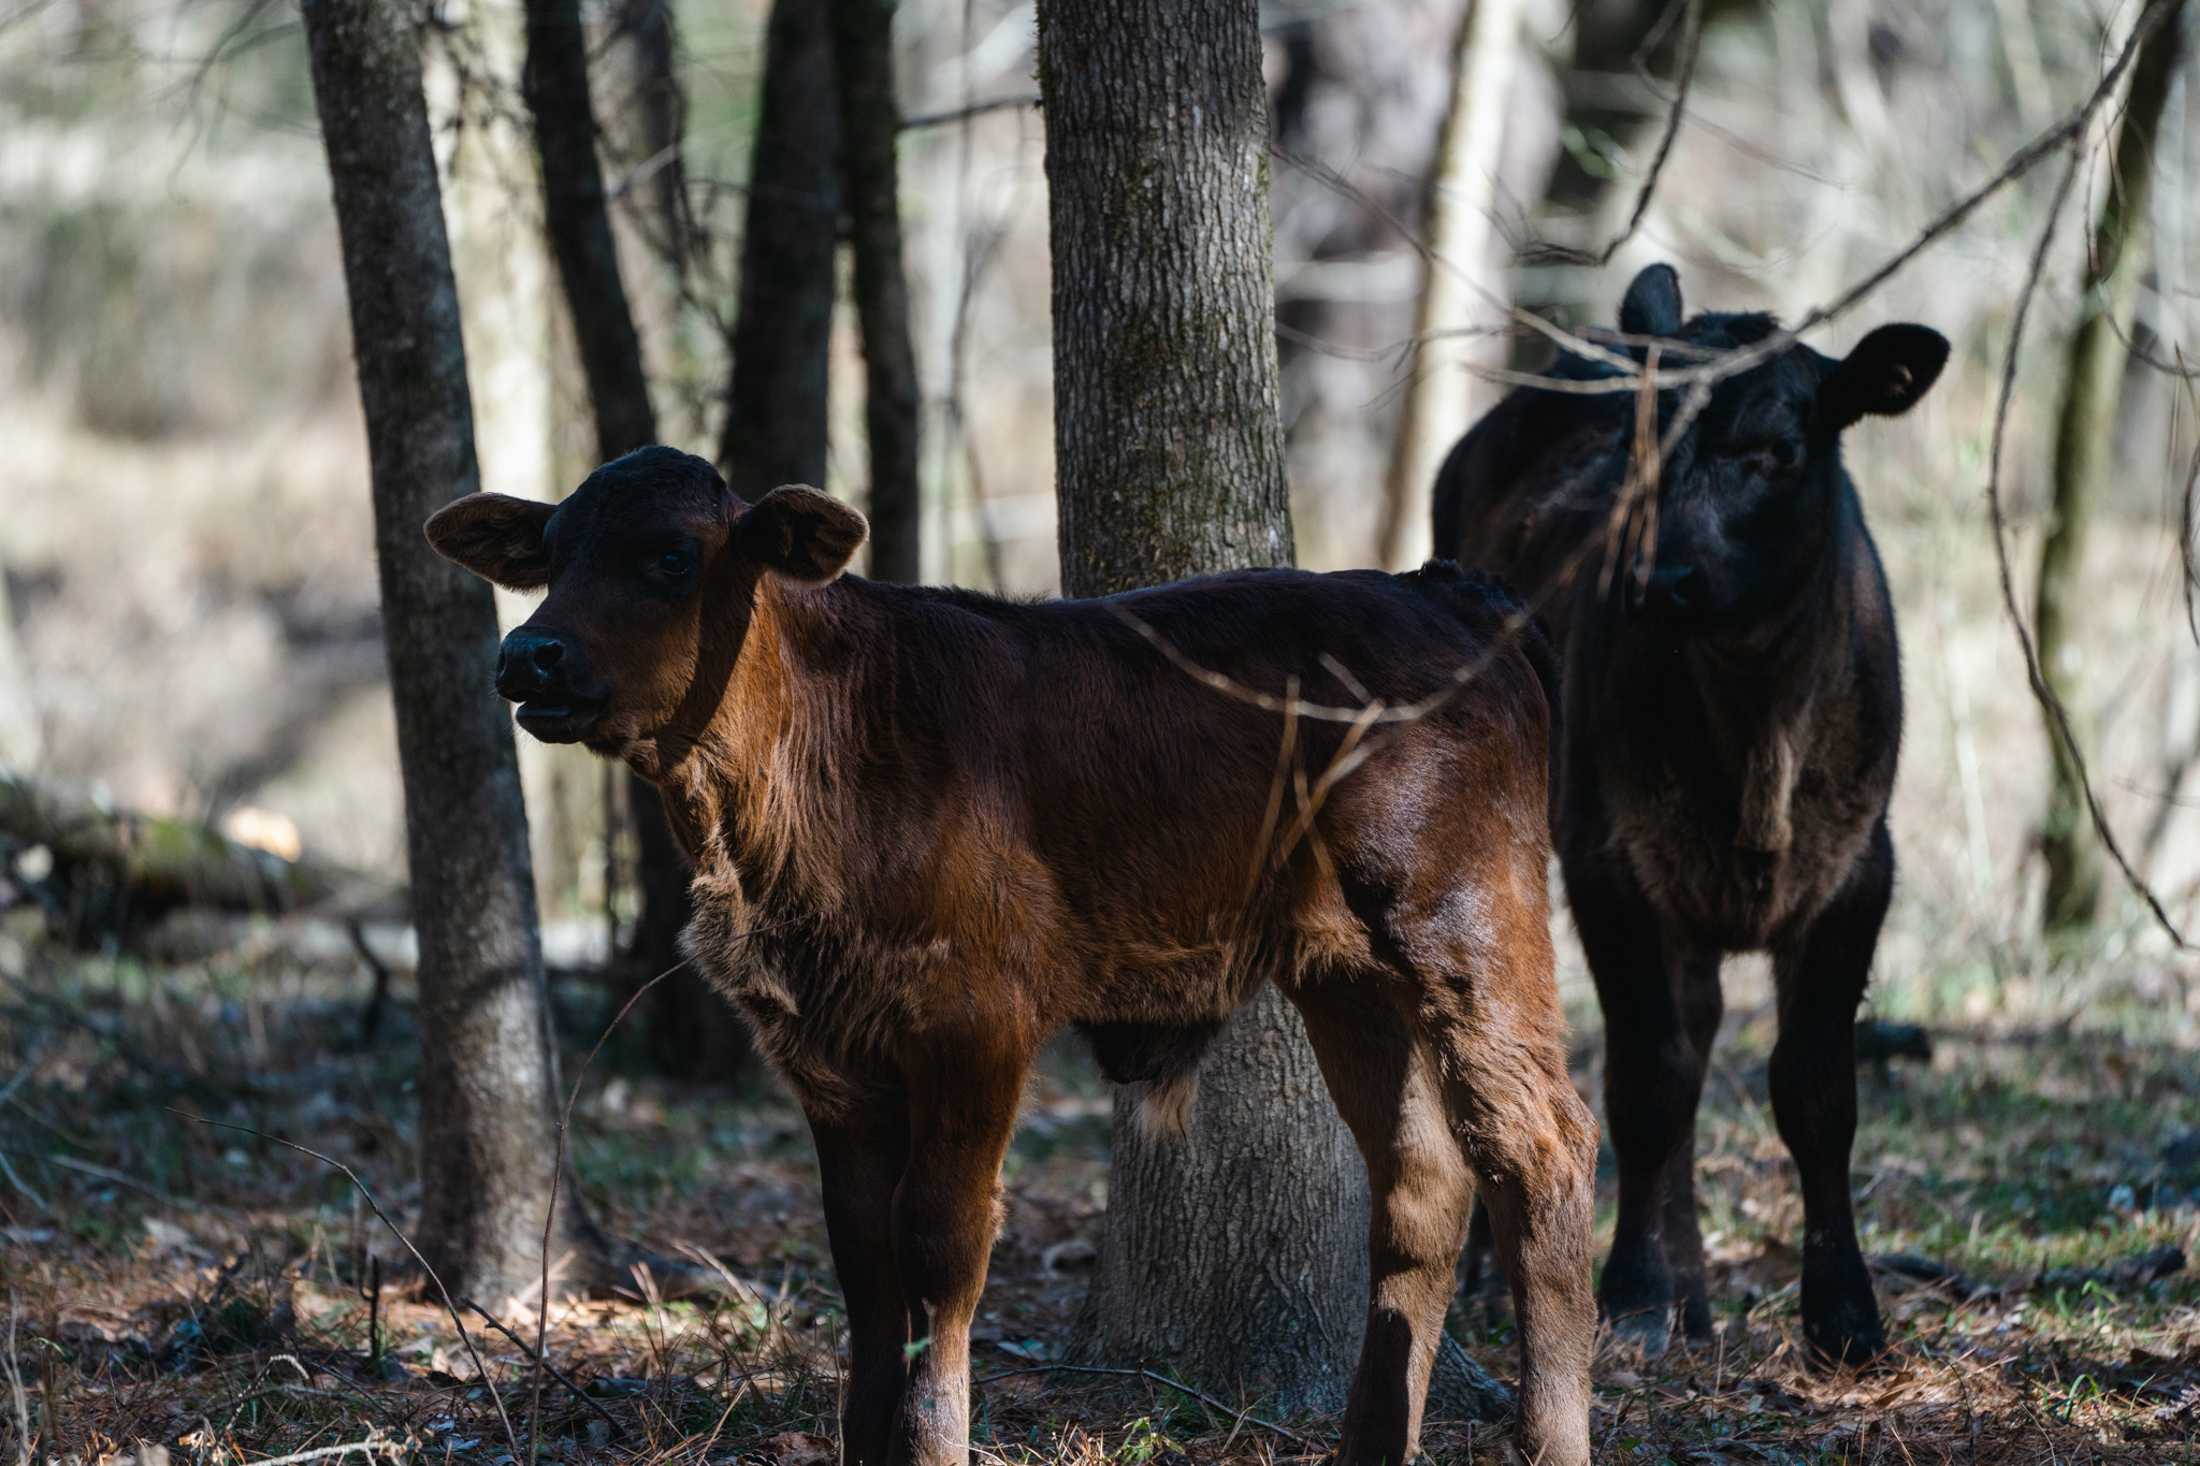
(216, 1295)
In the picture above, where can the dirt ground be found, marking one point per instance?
(173, 1285)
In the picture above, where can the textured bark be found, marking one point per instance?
(870, 121)
(488, 1067)
(1167, 442)
(1237, 1255)
(2085, 456)
(691, 1032)
(775, 413)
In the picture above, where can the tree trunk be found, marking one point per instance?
(691, 1031)
(775, 414)
(488, 1067)
(870, 124)
(2085, 455)
(1236, 1256)
(556, 88)
(1442, 397)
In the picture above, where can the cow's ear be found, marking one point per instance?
(802, 534)
(497, 537)
(1652, 306)
(1885, 375)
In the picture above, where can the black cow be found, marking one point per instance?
(1731, 715)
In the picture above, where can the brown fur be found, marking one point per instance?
(931, 829)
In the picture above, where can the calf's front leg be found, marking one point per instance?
(1821, 981)
(963, 1099)
(861, 1154)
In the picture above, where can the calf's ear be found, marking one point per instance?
(1652, 306)
(802, 534)
(1886, 374)
(497, 537)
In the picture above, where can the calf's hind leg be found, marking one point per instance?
(1821, 980)
(1388, 1088)
(1533, 1145)
(963, 1096)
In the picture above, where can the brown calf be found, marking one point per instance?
(932, 828)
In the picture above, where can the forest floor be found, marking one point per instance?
(173, 1287)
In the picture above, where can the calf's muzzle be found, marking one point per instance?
(547, 674)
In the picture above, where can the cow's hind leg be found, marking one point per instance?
(963, 1096)
(1390, 1091)
(861, 1154)
(1821, 981)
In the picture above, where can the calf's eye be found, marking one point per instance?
(672, 564)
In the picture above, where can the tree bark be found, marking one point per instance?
(2085, 456)
(775, 413)
(1237, 1255)
(488, 1067)
(870, 124)
(690, 1030)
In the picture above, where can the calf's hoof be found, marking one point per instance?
(1696, 1321)
(1846, 1337)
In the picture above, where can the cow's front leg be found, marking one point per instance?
(963, 1098)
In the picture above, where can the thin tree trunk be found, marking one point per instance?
(691, 1031)
(1442, 399)
(556, 87)
(1236, 1255)
(775, 414)
(488, 1066)
(870, 122)
(2085, 454)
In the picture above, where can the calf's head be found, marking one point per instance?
(652, 566)
(1746, 499)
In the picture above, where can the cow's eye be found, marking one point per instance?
(672, 564)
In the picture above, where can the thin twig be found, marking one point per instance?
(1240, 1416)
(550, 1209)
(1691, 48)
(542, 1362)
(374, 1445)
(970, 110)
(496, 1396)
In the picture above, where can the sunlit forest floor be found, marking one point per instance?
(212, 1293)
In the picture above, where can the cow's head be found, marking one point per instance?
(1745, 501)
(651, 567)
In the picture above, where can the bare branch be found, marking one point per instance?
(968, 111)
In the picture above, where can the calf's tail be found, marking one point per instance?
(1162, 1058)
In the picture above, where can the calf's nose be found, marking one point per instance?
(530, 664)
(1672, 586)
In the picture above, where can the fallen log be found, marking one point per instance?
(99, 870)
